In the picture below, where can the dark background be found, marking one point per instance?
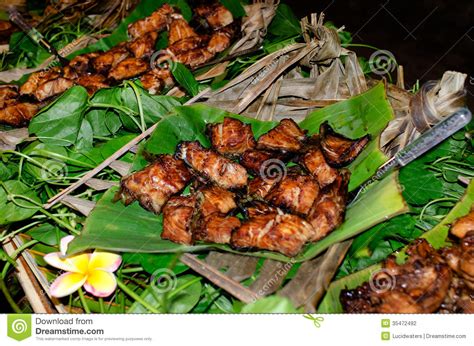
(427, 37)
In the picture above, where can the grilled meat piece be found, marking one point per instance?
(45, 84)
(92, 82)
(461, 259)
(295, 193)
(8, 92)
(156, 79)
(156, 183)
(286, 136)
(463, 225)
(338, 150)
(218, 169)
(195, 57)
(128, 68)
(52, 88)
(82, 64)
(259, 187)
(417, 286)
(261, 162)
(257, 208)
(315, 163)
(215, 199)
(177, 219)
(216, 228)
(216, 15)
(17, 113)
(144, 46)
(284, 233)
(179, 29)
(231, 137)
(157, 21)
(109, 59)
(459, 298)
(328, 210)
(187, 44)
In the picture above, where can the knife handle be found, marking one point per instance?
(438, 133)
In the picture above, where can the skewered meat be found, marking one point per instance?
(338, 150)
(179, 29)
(157, 21)
(143, 46)
(17, 113)
(8, 92)
(221, 39)
(463, 225)
(286, 136)
(214, 199)
(109, 59)
(156, 183)
(284, 233)
(218, 169)
(177, 219)
(328, 210)
(258, 161)
(418, 286)
(231, 137)
(82, 64)
(92, 82)
(45, 84)
(315, 163)
(128, 68)
(194, 57)
(216, 228)
(156, 79)
(295, 193)
(216, 15)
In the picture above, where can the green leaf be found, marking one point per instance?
(284, 23)
(272, 304)
(47, 234)
(46, 167)
(183, 296)
(153, 262)
(60, 122)
(420, 184)
(185, 78)
(235, 7)
(104, 122)
(20, 209)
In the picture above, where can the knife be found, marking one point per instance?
(426, 141)
(35, 35)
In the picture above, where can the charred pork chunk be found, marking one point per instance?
(92, 82)
(157, 21)
(231, 137)
(109, 59)
(15, 113)
(195, 57)
(179, 30)
(260, 187)
(156, 183)
(144, 46)
(315, 163)
(329, 208)
(214, 199)
(82, 64)
(216, 15)
(295, 193)
(258, 208)
(45, 84)
(157, 79)
(259, 161)
(338, 150)
(463, 225)
(221, 39)
(417, 286)
(218, 169)
(216, 228)
(177, 219)
(128, 68)
(284, 233)
(286, 136)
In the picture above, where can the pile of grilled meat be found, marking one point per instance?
(429, 281)
(281, 208)
(127, 60)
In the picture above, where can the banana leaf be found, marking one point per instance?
(113, 226)
(437, 237)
